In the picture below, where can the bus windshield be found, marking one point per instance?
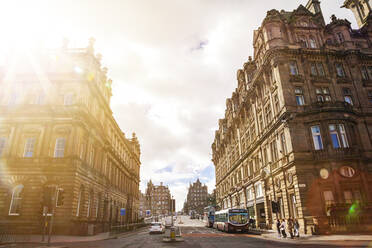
(238, 218)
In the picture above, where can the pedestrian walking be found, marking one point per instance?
(278, 227)
(290, 227)
(296, 226)
(282, 228)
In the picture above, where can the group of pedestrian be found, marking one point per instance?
(290, 225)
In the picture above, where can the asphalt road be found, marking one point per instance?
(195, 235)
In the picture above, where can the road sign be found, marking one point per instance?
(148, 212)
(122, 211)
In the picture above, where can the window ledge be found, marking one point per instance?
(14, 214)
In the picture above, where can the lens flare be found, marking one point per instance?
(78, 70)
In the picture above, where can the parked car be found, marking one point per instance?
(156, 227)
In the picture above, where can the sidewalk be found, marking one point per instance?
(355, 239)
(54, 238)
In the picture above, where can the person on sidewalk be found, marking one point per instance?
(290, 227)
(296, 226)
(282, 228)
(278, 227)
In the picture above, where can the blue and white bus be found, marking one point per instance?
(231, 220)
(208, 217)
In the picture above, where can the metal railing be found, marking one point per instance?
(126, 228)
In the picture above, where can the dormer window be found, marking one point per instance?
(340, 37)
(312, 42)
(303, 42)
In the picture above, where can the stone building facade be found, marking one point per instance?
(296, 137)
(142, 206)
(158, 199)
(197, 198)
(57, 132)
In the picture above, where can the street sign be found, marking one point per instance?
(148, 212)
(122, 211)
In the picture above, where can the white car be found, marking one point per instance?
(156, 227)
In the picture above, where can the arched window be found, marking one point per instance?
(15, 203)
(312, 42)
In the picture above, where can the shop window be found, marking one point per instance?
(348, 97)
(338, 136)
(322, 94)
(15, 202)
(300, 100)
(293, 68)
(317, 138)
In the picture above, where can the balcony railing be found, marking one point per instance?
(339, 153)
(328, 106)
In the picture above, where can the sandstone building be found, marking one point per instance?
(57, 132)
(197, 198)
(158, 199)
(296, 137)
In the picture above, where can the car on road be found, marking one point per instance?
(156, 227)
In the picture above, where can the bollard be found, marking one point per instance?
(173, 233)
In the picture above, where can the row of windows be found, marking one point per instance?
(15, 98)
(323, 95)
(29, 147)
(254, 165)
(317, 69)
(337, 135)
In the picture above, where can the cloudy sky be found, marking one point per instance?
(173, 64)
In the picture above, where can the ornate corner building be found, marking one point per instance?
(158, 199)
(296, 140)
(57, 131)
(197, 198)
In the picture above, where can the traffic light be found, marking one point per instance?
(275, 207)
(60, 197)
(47, 197)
